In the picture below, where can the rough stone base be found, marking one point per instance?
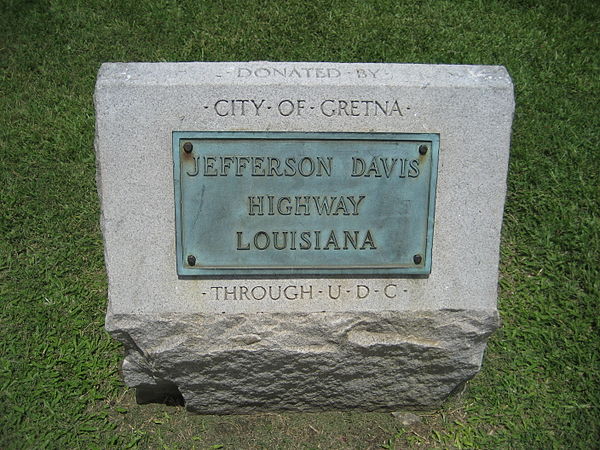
(245, 363)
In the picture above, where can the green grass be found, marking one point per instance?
(59, 380)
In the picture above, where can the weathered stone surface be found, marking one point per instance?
(231, 346)
(245, 363)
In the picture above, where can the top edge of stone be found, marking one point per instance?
(300, 73)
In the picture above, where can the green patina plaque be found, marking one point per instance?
(321, 204)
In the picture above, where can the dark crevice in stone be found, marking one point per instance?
(165, 393)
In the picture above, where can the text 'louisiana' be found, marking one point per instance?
(307, 240)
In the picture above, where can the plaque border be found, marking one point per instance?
(186, 271)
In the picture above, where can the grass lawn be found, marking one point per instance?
(59, 380)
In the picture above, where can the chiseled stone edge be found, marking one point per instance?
(245, 363)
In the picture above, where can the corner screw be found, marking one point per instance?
(191, 259)
(417, 259)
(423, 149)
(188, 147)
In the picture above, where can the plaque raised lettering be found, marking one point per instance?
(270, 203)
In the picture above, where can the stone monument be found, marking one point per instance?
(301, 236)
